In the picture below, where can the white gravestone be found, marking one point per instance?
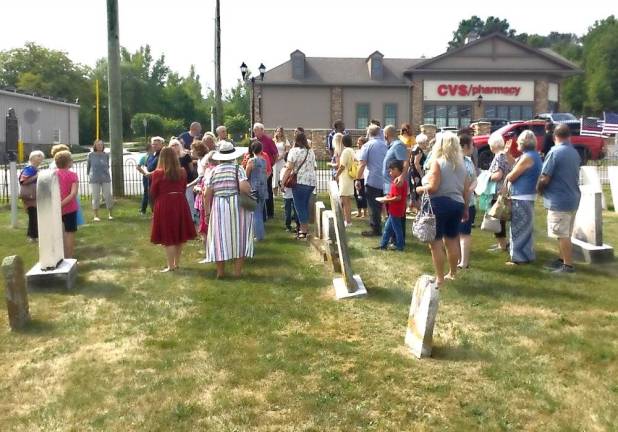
(329, 240)
(349, 285)
(52, 265)
(319, 209)
(587, 237)
(590, 178)
(612, 174)
(422, 318)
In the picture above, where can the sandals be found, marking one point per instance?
(301, 236)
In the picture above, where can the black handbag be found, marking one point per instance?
(248, 202)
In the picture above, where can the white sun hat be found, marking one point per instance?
(227, 151)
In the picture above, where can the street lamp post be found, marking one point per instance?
(244, 71)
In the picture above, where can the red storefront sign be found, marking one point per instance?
(476, 89)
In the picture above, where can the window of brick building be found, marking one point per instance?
(362, 115)
(390, 114)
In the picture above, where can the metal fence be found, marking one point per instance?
(133, 179)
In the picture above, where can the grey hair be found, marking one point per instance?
(220, 128)
(195, 124)
(157, 138)
(526, 140)
(36, 153)
(373, 130)
(422, 139)
(258, 126)
(496, 142)
(388, 129)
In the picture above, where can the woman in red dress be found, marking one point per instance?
(172, 224)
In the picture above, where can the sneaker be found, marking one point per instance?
(203, 261)
(554, 265)
(96, 219)
(110, 218)
(564, 269)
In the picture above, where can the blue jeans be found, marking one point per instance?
(302, 197)
(145, 197)
(393, 227)
(290, 212)
(258, 220)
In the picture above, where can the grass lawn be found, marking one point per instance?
(132, 349)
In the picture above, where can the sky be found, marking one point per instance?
(267, 31)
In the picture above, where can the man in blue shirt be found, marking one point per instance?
(397, 150)
(338, 127)
(559, 185)
(194, 132)
(372, 160)
(152, 160)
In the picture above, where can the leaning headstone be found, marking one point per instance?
(329, 240)
(15, 291)
(319, 209)
(422, 318)
(349, 285)
(590, 178)
(612, 174)
(587, 235)
(52, 267)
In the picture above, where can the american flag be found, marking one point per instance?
(591, 126)
(610, 125)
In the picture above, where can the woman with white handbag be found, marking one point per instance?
(447, 185)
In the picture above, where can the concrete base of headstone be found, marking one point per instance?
(590, 253)
(65, 274)
(422, 318)
(341, 291)
(15, 292)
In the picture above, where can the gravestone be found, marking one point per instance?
(612, 174)
(52, 266)
(329, 240)
(319, 209)
(590, 178)
(422, 317)
(349, 285)
(587, 235)
(15, 291)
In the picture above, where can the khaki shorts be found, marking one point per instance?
(560, 224)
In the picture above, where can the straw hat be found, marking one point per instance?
(227, 151)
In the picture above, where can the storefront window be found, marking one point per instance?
(362, 115)
(447, 115)
(509, 112)
(390, 114)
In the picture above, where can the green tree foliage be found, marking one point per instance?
(237, 125)
(476, 25)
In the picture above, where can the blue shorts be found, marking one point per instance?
(448, 214)
(465, 228)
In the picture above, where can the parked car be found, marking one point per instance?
(496, 123)
(588, 147)
(448, 129)
(566, 118)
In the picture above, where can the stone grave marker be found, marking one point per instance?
(319, 209)
(329, 240)
(587, 235)
(15, 291)
(349, 285)
(52, 266)
(590, 178)
(612, 174)
(422, 317)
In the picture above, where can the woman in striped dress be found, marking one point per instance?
(230, 227)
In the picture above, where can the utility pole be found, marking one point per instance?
(218, 102)
(114, 97)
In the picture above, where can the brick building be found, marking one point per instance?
(493, 76)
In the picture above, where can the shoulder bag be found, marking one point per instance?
(502, 207)
(490, 224)
(291, 180)
(248, 202)
(424, 226)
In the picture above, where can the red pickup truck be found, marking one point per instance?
(588, 147)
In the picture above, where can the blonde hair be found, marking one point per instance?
(526, 140)
(447, 147)
(63, 159)
(58, 148)
(338, 143)
(496, 142)
(34, 154)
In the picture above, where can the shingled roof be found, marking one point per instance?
(340, 71)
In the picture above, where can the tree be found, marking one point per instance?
(475, 25)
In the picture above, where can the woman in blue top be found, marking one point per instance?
(522, 179)
(256, 173)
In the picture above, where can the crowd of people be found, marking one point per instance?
(441, 177)
(202, 184)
